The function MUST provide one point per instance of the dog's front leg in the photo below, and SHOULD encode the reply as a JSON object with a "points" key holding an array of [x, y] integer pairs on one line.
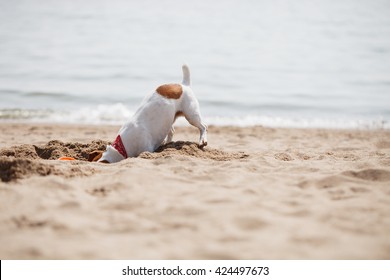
{"points": [[170, 135]]}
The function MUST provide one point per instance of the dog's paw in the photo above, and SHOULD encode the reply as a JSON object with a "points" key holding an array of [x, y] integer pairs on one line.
{"points": [[202, 143]]}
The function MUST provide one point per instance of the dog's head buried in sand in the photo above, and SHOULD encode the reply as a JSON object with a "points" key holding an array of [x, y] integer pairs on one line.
{"points": [[152, 124]]}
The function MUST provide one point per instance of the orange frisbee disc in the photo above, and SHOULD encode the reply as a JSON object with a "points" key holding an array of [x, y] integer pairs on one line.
{"points": [[66, 158]]}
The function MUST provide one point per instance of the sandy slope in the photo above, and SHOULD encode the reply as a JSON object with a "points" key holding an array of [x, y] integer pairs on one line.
{"points": [[252, 193]]}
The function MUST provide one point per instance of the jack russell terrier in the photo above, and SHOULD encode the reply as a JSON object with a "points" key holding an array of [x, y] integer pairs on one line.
{"points": [[152, 124]]}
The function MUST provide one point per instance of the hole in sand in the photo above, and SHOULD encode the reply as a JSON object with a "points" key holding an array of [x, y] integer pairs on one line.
{"points": [[18, 162]]}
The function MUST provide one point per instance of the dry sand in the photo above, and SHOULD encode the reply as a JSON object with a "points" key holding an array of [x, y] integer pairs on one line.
{"points": [[253, 193]]}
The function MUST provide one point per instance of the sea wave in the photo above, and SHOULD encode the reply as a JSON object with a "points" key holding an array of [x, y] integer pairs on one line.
{"points": [[117, 114]]}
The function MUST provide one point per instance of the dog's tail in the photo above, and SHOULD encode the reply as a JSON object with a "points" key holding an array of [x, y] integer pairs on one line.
{"points": [[186, 75]]}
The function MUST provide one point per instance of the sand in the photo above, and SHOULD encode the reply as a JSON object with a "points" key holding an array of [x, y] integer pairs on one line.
{"points": [[252, 193]]}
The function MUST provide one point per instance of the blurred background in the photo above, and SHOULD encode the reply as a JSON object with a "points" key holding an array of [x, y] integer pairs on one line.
{"points": [[303, 63]]}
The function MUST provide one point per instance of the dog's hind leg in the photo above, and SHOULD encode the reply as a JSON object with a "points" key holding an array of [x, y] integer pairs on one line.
{"points": [[195, 120]]}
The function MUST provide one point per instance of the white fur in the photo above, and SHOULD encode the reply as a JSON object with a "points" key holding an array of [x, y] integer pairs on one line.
{"points": [[153, 122]]}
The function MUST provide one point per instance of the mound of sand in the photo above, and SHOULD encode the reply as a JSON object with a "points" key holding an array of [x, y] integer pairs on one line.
{"points": [[12, 169], [186, 148], [54, 149], [17, 168], [22, 161]]}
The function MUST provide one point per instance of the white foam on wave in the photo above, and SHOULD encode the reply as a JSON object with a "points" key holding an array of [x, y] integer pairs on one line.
{"points": [[300, 122], [100, 114], [117, 114]]}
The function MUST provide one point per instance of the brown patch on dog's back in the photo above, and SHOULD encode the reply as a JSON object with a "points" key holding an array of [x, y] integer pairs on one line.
{"points": [[170, 91]]}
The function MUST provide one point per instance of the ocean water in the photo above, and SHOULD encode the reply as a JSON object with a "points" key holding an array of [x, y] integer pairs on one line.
{"points": [[302, 63]]}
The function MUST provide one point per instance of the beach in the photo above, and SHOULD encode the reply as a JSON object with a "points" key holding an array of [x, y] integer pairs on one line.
{"points": [[252, 193]]}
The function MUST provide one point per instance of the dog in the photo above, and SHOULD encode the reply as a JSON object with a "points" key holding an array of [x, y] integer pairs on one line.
{"points": [[152, 124]]}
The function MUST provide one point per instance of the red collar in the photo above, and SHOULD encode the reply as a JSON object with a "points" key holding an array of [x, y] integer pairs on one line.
{"points": [[118, 145]]}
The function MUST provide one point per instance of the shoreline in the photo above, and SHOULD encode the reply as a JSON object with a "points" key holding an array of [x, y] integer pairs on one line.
{"points": [[252, 193], [83, 116]]}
